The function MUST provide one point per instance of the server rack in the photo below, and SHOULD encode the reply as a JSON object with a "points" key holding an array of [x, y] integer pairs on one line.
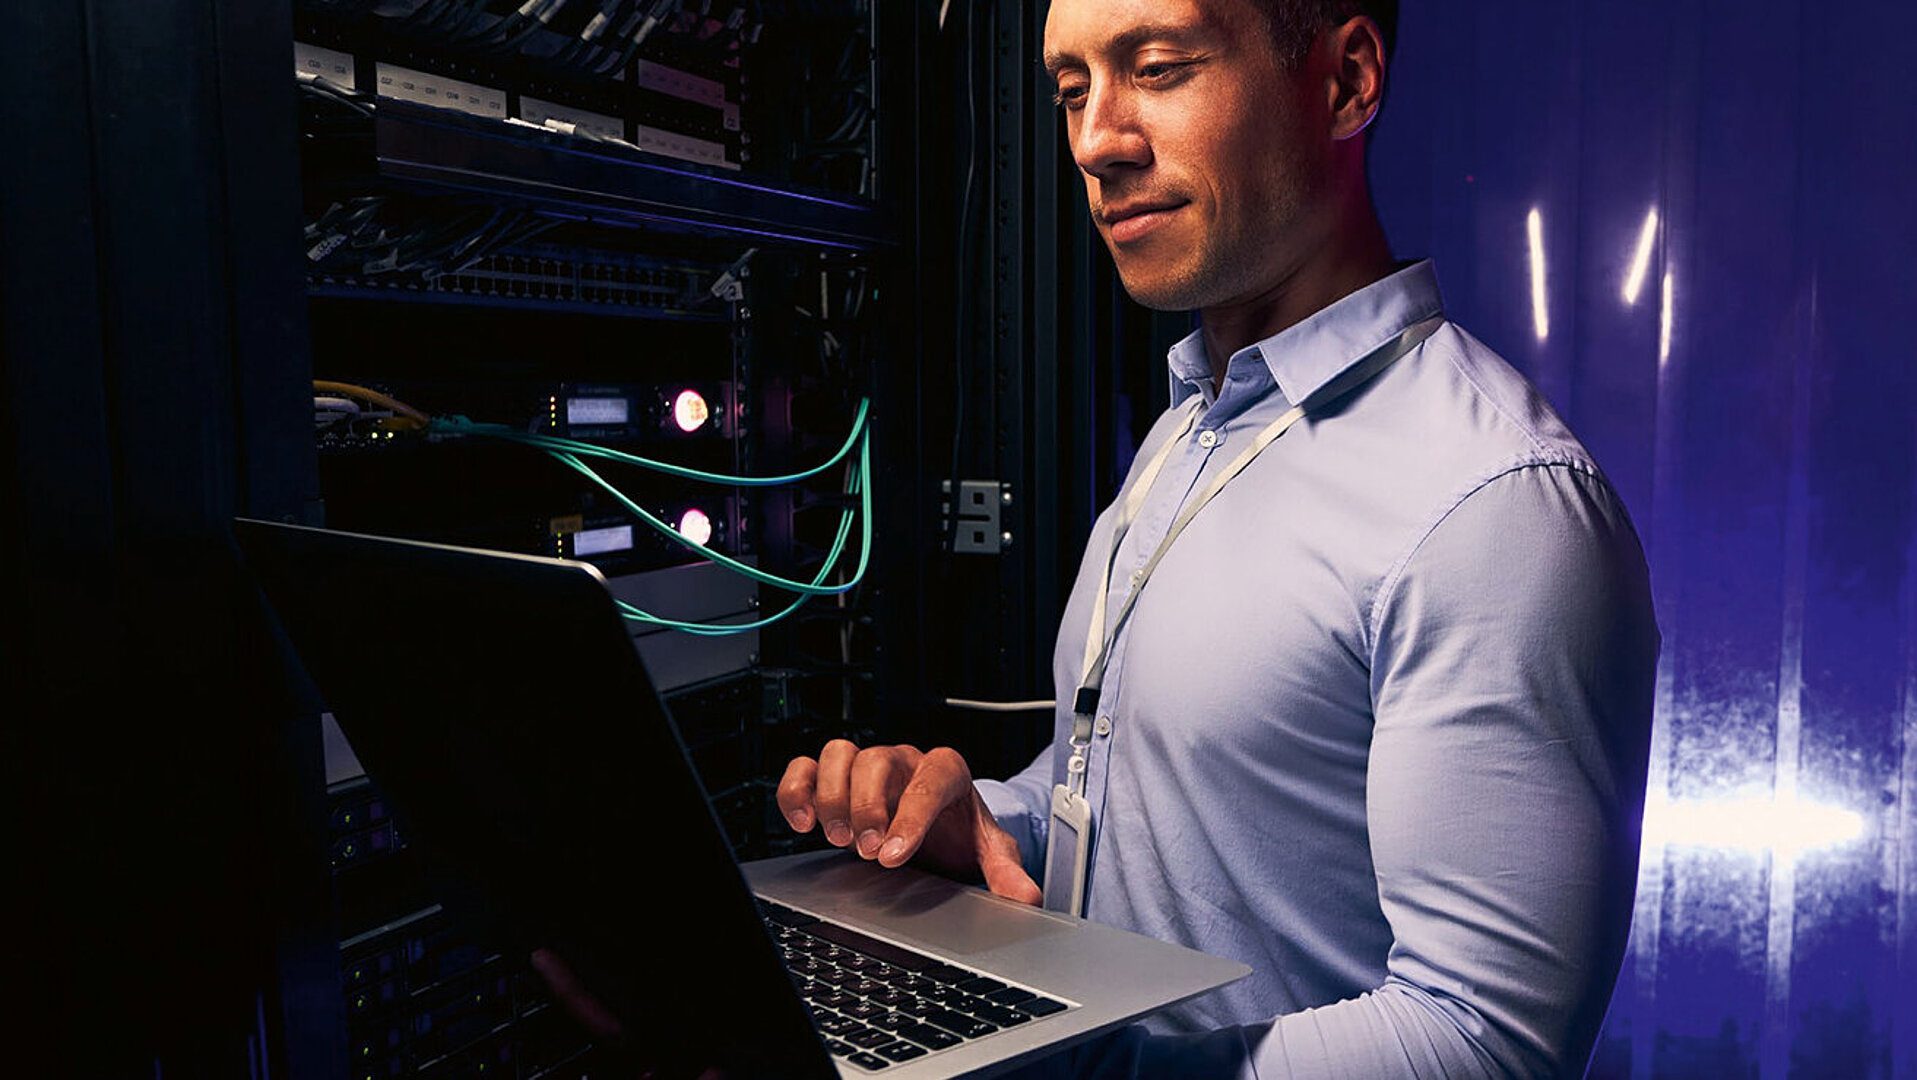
{"points": [[645, 229], [194, 869]]}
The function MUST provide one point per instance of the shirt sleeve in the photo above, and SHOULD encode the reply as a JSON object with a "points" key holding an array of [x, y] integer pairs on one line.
{"points": [[1023, 807], [1513, 663]]}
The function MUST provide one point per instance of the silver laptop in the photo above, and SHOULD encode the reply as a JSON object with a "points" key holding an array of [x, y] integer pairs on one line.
{"points": [[499, 702]]}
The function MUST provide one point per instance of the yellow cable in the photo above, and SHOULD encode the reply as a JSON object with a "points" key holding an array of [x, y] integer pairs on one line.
{"points": [[326, 386]]}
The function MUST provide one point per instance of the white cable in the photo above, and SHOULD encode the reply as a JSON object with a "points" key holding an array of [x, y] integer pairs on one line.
{"points": [[1000, 706]]}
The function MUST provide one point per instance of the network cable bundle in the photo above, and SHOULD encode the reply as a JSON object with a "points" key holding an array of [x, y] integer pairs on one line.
{"points": [[596, 279]]}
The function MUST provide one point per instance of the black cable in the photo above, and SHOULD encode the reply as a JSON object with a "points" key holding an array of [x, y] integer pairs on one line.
{"points": [[623, 17], [619, 58], [964, 248], [325, 92], [473, 26], [425, 14]]}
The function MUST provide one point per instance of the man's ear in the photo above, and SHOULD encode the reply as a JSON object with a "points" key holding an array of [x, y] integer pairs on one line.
{"points": [[1356, 78]]}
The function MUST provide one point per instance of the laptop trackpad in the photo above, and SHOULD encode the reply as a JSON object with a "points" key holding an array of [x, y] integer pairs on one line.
{"points": [[958, 919]]}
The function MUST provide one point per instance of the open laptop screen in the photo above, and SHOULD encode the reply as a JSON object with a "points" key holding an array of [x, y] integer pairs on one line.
{"points": [[499, 702]]}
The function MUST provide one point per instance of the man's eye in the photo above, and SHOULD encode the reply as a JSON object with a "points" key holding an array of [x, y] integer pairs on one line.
{"points": [[1069, 97], [1159, 73]]}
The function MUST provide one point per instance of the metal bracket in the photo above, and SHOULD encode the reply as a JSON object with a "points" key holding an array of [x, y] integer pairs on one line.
{"points": [[973, 521]]}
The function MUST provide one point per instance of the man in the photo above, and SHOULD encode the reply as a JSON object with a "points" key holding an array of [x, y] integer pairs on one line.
{"points": [[1377, 721]]}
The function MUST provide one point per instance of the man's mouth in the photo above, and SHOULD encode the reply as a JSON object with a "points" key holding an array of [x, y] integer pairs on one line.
{"points": [[1129, 222]]}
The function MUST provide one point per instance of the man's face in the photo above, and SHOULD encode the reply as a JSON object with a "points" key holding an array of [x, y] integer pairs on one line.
{"points": [[1203, 157]]}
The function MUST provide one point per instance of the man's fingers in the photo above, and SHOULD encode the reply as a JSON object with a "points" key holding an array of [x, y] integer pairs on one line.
{"points": [[796, 793], [878, 775], [941, 780], [998, 860], [832, 791]]}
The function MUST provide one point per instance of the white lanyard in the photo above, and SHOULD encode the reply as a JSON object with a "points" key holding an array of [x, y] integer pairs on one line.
{"points": [[1098, 639]]}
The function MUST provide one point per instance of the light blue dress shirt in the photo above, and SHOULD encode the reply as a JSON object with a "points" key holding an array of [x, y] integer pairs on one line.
{"points": [[1378, 725]]}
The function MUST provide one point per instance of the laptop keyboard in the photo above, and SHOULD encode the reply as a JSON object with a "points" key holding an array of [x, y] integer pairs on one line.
{"points": [[878, 1004]]}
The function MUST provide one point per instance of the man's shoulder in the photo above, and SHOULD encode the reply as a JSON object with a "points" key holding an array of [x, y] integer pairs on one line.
{"points": [[1484, 408], [1450, 421]]}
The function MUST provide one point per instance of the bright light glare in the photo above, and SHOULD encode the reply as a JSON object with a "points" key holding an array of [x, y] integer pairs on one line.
{"points": [[689, 410], [1754, 823], [1539, 315], [1641, 261], [695, 526], [1664, 324]]}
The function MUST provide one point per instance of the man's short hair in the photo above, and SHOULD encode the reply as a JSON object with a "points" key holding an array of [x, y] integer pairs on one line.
{"points": [[1295, 23]]}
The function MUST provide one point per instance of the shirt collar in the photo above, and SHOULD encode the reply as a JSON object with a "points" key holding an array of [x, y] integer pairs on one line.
{"points": [[1311, 353]]}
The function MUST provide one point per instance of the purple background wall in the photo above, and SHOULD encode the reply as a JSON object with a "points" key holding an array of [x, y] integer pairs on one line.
{"points": [[1753, 401]]}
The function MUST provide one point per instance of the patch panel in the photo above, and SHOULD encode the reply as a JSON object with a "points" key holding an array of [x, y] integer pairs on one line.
{"points": [[558, 278], [439, 91], [659, 107]]}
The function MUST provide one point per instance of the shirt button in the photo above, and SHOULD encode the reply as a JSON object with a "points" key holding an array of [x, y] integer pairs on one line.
{"points": [[1104, 725], [1208, 438]]}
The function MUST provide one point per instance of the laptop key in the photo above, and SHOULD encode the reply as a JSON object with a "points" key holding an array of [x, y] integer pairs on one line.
{"points": [[834, 1024], [928, 1036], [840, 1047], [901, 1051], [947, 974], [960, 1024], [783, 915], [868, 1061], [864, 1010], [1040, 1006], [869, 1037], [1011, 995], [892, 1021], [873, 947], [836, 999], [998, 1014], [981, 985]]}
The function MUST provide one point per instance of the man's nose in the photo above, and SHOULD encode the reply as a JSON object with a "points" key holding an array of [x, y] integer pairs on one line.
{"points": [[1109, 137]]}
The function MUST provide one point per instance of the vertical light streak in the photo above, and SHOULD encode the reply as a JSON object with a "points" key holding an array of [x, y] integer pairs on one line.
{"points": [[1540, 315], [1641, 260], [1664, 325]]}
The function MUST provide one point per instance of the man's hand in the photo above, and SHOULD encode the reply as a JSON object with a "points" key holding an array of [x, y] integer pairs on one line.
{"points": [[895, 803]]}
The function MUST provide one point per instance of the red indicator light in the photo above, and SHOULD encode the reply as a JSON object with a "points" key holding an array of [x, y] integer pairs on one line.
{"points": [[695, 526], [689, 411]]}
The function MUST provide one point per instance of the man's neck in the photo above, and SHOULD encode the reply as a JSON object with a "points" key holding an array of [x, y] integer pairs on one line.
{"points": [[1357, 258]]}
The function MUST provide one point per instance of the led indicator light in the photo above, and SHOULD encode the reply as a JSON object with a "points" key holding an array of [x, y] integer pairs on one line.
{"points": [[695, 526], [689, 411]]}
